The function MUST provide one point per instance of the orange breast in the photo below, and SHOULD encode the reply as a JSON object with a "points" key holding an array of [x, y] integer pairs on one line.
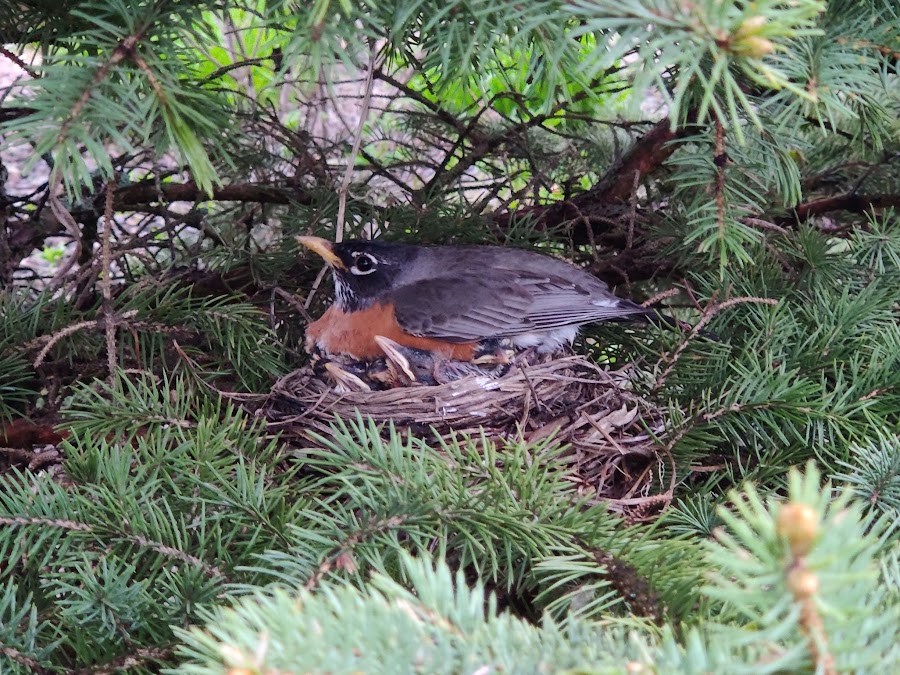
{"points": [[339, 332]]}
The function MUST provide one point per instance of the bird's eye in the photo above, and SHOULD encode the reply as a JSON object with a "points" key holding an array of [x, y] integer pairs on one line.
{"points": [[364, 264]]}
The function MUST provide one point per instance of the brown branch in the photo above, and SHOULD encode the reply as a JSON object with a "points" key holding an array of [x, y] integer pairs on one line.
{"points": [[25, 521], [147, 192], [644, 157], [341, 557], [648, 153], [629, 265], [853, 203], [144, 197]]}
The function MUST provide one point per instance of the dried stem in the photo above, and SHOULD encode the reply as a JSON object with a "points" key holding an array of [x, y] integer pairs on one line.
{"points": [[354, 151], [15, 58], [74, 328], [106, 278], [63, 216], [720, 159], [708, 314]]}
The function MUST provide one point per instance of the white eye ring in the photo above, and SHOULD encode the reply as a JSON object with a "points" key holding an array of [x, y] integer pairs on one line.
{"points": [[370, 263]]}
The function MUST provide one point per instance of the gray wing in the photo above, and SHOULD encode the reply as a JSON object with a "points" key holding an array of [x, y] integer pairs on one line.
{"points": [[501, 303]]}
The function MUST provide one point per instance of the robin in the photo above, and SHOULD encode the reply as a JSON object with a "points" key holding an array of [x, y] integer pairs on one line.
{"points": [[454, 300]]}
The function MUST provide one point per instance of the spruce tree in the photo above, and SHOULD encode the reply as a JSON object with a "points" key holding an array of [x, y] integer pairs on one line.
{"points": [[733, 163]]}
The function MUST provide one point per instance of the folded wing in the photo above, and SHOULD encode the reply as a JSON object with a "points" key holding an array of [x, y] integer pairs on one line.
{"points": [[498, 303]]}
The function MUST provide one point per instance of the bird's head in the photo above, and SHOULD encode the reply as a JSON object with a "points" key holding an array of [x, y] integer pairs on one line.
{"points": [[363, 270]]}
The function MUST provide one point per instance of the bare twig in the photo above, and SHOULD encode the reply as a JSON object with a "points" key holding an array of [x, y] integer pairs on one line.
{"points": [[294, 302], [177, 554], [632, 210], [344, 189], [15, 58], [74, 328], [354, 151], [63, 216], [721, 160], [54, 339], [708, 314], [662, 295], [315, 287], [106, 278], [130, 661]]}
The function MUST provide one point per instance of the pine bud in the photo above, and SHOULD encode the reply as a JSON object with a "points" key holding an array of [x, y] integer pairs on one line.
{"points": [[751, 25], [799, 524], [756, 47], [802, 583], [747, 39]]}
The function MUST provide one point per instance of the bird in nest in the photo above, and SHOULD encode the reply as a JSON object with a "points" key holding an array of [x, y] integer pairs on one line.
{"points": [[405, 314]]}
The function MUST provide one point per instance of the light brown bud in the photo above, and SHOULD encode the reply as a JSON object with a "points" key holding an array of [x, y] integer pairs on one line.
{"points": [[755, 46], [799, 524], [748, 39], [802, 583], [751, 25]]}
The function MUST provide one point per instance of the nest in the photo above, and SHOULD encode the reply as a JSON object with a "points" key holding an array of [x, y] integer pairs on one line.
{"points": [[611, 431]]}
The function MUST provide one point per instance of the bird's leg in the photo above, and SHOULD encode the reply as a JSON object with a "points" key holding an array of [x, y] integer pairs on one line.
{"points": [[493, 352]]}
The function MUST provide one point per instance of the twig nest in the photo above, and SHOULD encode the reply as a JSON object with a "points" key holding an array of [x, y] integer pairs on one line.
{"points": [[591, 408]]}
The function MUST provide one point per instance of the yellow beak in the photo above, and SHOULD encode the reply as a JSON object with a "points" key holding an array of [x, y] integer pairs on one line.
{"points": [[324, 248]]}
